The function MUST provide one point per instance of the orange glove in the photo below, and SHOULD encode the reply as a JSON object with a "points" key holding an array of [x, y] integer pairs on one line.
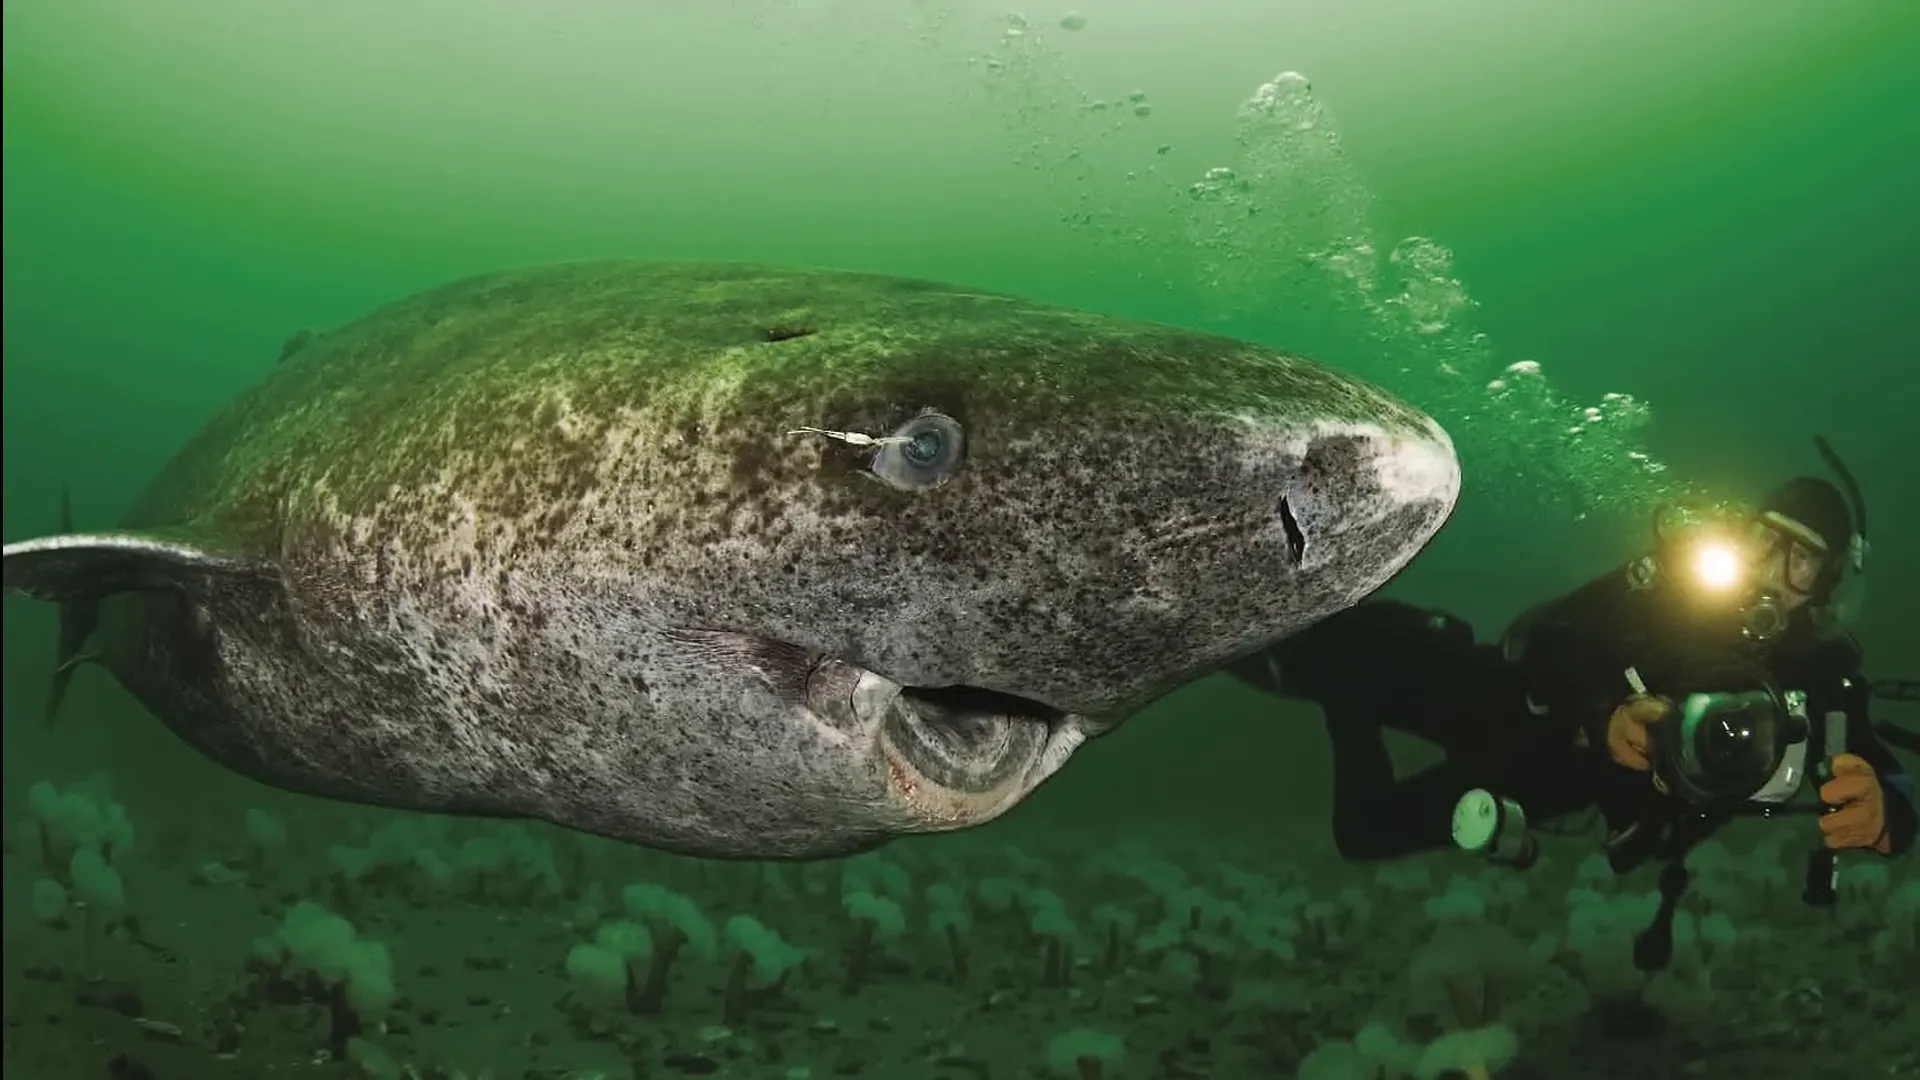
{"points": [[1628, 740], [1858, 820]]}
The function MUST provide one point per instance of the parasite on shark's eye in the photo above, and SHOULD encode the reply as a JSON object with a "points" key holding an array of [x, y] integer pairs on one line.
{"points": [[923, 453]]}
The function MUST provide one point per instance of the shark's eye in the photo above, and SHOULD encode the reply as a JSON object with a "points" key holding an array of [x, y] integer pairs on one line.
{"points": [[924, 448], [923, 453]]}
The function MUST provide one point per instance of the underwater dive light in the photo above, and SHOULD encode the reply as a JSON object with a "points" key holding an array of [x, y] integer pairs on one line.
{"points": [[1496, 827], [1720, 568], [1717, 565]]}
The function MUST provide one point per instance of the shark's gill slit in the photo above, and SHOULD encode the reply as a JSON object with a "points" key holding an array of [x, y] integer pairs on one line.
{"points": [[1296, 540]]}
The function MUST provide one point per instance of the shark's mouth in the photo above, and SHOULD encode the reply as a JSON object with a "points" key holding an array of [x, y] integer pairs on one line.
{"points": [[975, 701], [969, 738], [960, 754]]}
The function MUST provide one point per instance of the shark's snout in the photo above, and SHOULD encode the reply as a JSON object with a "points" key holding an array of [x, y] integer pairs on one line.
{"points": [[1368, 495], [1418, 466], [1311, 519]]}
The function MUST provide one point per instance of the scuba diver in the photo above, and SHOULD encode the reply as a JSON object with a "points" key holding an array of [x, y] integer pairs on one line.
{"points": [[1703, 680]]}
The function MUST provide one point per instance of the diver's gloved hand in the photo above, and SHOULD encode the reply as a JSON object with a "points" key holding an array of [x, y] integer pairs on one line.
{"points": [[1628, 740], [1858, 820]]}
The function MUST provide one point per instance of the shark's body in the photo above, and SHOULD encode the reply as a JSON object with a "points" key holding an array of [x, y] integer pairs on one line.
{"points": [[546, 544]]}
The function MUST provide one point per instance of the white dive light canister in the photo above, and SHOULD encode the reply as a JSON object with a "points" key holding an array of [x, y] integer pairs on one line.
{"points": [[1494, 826]]}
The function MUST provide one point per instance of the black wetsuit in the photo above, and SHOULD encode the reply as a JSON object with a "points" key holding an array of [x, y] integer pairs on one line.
{"points": [[1525, 718]]}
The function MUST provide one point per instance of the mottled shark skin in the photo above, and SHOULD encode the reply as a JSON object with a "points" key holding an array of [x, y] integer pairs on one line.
{"points": [[546, 544]]}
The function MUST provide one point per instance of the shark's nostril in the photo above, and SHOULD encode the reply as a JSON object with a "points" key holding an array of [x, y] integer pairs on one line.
{"points": [[1296, 539]]}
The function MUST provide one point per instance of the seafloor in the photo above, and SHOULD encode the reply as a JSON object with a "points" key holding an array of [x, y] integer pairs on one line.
{"points": [[252, 947]]}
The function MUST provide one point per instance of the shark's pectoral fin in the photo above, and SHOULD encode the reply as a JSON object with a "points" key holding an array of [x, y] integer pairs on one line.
{"points": [[87, 566], [75, 570]]}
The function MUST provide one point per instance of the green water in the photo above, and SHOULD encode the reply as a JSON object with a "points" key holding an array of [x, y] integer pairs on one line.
{"points": [[1696, 219]]}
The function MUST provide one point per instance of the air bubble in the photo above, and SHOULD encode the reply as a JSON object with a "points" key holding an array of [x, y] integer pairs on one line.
{"points": [[1287, 225]]}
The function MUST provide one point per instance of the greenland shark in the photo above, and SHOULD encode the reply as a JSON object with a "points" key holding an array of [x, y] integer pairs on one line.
{"points": [[731, 560]]}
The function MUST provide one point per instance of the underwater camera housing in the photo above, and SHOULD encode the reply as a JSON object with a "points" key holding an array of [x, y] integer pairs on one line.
{"points": [[1735, 746], [1727, 747]]}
